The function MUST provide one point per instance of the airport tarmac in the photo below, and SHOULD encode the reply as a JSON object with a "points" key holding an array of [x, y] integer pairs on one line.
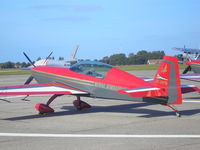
{"points": [[108, 125]]}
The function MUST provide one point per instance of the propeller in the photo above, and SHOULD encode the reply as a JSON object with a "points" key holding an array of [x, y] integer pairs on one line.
{"points": [[31, 77], [48, 57], [32, 63], [28, 59], [188, 68]]}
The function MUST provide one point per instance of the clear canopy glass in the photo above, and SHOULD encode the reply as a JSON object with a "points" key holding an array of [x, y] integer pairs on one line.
{"points": [[91, 68]]}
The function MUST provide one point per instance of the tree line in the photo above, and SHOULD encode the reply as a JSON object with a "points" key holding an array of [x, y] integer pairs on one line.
{"points": [[141, 57], [10, 64]]}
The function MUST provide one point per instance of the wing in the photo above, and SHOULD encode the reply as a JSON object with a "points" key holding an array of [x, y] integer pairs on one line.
{"points": [[192, 76], [39, 89], [188, 50]]}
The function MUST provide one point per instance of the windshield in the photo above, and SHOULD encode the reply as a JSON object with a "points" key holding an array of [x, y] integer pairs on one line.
{"points": [[91, 68]]}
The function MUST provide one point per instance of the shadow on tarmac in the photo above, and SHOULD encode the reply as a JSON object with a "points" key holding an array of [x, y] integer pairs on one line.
{"points": [[198, 98], [127, 108], [4, 100]]}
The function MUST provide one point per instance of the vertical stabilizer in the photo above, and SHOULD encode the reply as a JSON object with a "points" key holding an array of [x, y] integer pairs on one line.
{"points": [[168, 78]]}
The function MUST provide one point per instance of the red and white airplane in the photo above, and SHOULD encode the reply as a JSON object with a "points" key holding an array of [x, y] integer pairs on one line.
{"points": [[100, 80], [193, 65]]}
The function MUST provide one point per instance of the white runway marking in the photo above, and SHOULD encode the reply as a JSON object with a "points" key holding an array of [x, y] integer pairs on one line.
{"points": [[97, 135], [185, 101]]}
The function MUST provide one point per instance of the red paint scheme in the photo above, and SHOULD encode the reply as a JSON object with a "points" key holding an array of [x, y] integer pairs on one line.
{"points": [[117, 77], [162, 71], [193, 61], [81, 104], [161, 81], [42, 108], [120, 78], [114, 77], [152, 93]]}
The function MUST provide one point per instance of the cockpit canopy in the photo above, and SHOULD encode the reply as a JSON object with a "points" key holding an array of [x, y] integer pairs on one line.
{"points": [[91, 68]]}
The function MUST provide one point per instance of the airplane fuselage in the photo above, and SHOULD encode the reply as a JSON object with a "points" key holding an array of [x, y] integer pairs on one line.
{"points": [[106, 87]]}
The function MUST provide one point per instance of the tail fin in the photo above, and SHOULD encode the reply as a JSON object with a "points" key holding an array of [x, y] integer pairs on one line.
{"points": [[168, 78]]}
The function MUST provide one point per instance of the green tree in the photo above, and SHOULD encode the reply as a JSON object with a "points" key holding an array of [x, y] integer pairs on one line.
{"points": [[156, 54], [118, 59], [18, 65], [105, 59], [61, 58], [131, 59], [8, 64], [142, 57]]}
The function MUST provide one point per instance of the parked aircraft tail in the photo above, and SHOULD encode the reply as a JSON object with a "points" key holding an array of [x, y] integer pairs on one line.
{"points": [[167, 79], [164, 88]]}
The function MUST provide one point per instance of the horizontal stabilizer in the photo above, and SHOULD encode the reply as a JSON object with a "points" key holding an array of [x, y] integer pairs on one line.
{"points": [[144, 92]]}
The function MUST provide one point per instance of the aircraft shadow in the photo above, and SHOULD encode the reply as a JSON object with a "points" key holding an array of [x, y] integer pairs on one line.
{"points": [[198, 98], [4, 100], [127, 108]]}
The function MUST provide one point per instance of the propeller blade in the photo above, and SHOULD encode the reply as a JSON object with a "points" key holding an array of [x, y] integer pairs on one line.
{"points": [[28, 59], [48, 57], [188, 68], [29, 80]]}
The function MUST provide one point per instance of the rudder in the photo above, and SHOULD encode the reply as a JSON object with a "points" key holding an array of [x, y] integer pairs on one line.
{"points": [[168, 78]]}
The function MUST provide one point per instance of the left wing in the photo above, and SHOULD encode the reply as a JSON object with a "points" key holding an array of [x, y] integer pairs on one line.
{"points": [[38, 89]]}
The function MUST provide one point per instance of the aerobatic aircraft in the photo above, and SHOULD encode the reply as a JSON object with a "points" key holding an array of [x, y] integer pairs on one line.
{"points": [[193, 65], [63, 63], [100, 80], [193, 62]]}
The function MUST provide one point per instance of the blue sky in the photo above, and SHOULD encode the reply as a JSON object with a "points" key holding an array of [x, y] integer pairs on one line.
{"points": [[100, 27]]}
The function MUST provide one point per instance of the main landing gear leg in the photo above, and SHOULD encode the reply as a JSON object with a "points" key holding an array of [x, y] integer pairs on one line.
{"points": [[24, 99], [80, 104], [174, 109], [44, 108]]}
